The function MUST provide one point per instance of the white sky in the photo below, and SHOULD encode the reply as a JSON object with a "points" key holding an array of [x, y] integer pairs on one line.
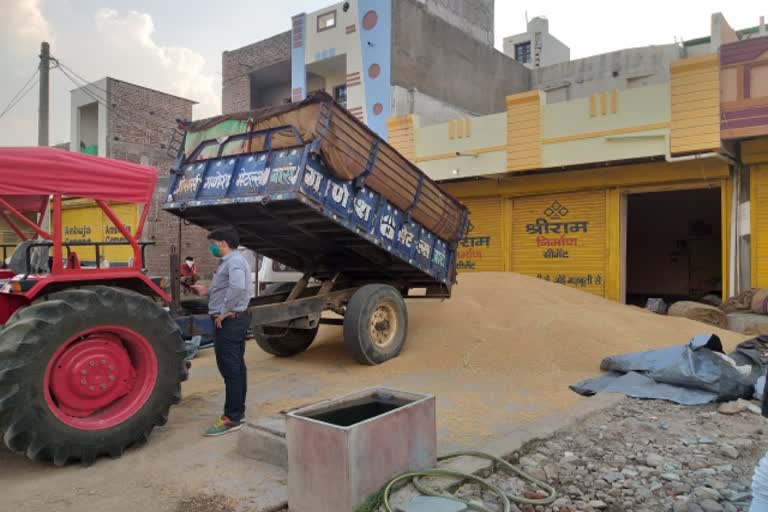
{"points": [[176, 45]]}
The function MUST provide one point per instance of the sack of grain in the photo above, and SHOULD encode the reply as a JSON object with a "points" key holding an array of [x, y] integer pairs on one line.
{"points": [[760, 301], [740, 302], [697, 311]]}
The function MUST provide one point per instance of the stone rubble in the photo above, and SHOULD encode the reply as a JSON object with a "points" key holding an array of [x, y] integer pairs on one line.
{"points": [[643, 456]]}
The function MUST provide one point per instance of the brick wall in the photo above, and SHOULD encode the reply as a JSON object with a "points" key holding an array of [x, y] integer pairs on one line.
{"points": [[237, 65], [141, 122]]}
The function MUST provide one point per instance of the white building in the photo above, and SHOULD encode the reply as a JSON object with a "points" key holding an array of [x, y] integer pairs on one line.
{"points": [[537, 48]]}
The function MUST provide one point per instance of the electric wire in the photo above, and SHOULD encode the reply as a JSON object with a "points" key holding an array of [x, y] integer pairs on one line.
{"points": [[28, 86]]}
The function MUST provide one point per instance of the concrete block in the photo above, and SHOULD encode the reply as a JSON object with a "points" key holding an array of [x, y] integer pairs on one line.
{"points": [[264, 439], [748, 323]]}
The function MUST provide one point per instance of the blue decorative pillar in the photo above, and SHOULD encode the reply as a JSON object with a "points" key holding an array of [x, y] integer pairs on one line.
{"points": [[376, 48]]}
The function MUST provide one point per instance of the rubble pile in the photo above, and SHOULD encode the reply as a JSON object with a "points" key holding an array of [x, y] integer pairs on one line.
{"points": [[645, 456]]}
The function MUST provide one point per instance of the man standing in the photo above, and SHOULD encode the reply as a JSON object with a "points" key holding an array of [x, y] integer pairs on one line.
{"points": [[228, 306]]}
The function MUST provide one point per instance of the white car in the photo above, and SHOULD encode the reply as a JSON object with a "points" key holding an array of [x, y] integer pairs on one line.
{"points": [[271, 272]]}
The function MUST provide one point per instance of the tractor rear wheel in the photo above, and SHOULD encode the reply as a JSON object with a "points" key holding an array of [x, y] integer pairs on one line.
{"points": [[87, 372]]}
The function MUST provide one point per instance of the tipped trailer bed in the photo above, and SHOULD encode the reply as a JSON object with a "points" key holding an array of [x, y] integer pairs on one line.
{"points": [[310, 186]]}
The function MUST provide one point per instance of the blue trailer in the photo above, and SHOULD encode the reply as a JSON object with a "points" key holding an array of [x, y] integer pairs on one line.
{"points": [[310, 186]]}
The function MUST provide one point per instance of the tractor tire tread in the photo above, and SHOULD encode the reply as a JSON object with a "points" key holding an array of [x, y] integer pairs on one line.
{"points": [[32, 335]]}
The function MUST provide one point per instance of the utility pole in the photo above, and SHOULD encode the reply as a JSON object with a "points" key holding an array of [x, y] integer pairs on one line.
{"points": [[42, 120]]}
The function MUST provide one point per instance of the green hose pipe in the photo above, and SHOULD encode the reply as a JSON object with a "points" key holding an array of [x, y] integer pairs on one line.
{"points": [[551, 493], [506, 499], [451, 474]]}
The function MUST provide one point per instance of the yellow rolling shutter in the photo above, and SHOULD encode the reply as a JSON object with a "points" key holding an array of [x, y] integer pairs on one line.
{"points": [[758, 202], [562, 238], [482, 250]]}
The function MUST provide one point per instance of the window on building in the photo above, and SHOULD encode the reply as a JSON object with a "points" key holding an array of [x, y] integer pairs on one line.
{"points": [[340, 95], [523, 52], [326, 21]]}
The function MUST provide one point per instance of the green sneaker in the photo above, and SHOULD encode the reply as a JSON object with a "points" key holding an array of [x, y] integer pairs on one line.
{"points": [[223, 426]]}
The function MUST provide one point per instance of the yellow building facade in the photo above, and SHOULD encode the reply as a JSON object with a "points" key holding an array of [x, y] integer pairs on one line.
{"points": [[627, 194]]}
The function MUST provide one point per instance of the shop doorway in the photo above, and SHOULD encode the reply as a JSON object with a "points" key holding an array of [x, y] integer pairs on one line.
{"points": [[673, 245]]}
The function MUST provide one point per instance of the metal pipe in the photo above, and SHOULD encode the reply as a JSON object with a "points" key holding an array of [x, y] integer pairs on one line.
{"points": [[142, 220], [13, 226], [698, 156], [175, 280], [16, 213], [732, 259], [57, 235]]}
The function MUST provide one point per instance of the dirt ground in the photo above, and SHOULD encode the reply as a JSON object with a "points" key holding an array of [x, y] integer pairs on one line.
{"points": [[499, 356], [177, 470]]}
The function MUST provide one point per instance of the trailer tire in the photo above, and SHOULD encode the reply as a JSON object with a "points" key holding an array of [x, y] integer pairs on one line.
{"points": [[375, 324], [283, 341], [125, 348]]}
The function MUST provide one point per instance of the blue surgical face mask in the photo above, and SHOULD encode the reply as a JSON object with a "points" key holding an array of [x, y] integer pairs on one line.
{"points": [[215, 250]]}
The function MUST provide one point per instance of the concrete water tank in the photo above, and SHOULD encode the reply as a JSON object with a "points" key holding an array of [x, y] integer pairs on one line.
{"points": [[342, 451]]}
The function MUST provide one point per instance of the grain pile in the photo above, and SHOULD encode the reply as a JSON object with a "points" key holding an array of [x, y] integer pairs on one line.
{"points": [[526, 323], [502, 351]]}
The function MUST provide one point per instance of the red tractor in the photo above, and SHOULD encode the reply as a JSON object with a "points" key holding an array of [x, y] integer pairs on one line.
{"points": [[90, 359]]}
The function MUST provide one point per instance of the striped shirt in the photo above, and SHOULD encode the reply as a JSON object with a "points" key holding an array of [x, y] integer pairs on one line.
{"points": [[229, 287]]}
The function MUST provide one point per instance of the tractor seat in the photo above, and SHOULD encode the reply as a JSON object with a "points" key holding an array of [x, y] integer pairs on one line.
{"points": [[38, 259]]}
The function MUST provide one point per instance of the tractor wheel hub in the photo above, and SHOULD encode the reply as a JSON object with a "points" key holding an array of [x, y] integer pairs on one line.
{"points": [[91, 374]]}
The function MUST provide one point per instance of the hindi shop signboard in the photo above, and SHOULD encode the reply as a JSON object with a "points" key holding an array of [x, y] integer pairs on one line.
{"points": [[562, 238], [471, 251], [481, 250]]}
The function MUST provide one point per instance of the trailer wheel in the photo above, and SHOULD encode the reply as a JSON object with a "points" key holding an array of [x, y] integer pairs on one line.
{"points": [[87, 372], [283, 341], [375, 324]]}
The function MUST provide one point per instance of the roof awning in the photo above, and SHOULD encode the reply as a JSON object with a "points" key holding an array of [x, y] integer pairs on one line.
{"points": [[27, 175]]}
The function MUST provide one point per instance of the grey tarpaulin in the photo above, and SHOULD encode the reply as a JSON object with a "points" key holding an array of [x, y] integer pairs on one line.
{"points": [[689, 374], [750, 352], [637, 385]]}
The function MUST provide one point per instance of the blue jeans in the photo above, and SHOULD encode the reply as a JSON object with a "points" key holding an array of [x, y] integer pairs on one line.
{"points": [[229, 345]]}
